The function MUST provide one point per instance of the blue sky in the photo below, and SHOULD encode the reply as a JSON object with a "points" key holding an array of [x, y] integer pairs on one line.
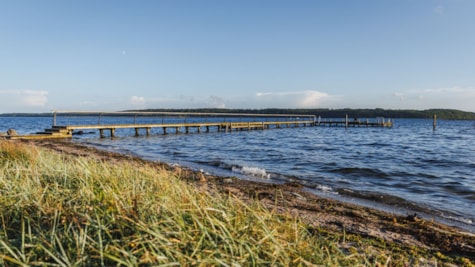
{"points": [[115, 55]]}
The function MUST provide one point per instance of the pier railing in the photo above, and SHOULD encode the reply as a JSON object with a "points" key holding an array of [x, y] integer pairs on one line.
{"points": [[163, 117], [179, 121], [67, 123]]}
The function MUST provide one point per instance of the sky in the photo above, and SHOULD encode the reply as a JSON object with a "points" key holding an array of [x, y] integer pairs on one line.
{"points": [[111, 55]]}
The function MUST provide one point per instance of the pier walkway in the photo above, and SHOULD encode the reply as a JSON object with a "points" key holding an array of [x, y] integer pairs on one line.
{"points": [[176, 122], [380, 122], [68, 123]]}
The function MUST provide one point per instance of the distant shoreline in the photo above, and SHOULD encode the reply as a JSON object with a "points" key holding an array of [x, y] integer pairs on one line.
{"points": [[443, 114]]}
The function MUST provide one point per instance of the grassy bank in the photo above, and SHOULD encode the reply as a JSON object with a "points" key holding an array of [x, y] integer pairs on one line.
{"points": [[63, 210]]}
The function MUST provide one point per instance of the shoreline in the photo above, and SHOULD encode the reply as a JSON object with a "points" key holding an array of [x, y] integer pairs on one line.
{"points": [[379, 201], [391, 204], [405, 209], [318, 212], [382, 202]]}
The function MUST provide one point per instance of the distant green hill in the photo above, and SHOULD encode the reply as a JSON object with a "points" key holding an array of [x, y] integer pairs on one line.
{"points": [[448, 114]]}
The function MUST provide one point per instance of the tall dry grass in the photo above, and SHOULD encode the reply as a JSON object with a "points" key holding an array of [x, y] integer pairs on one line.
{"points": [[61, 210]]}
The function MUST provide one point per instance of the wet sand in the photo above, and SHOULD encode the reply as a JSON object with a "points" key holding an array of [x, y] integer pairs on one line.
{"points": [[320, 213]]}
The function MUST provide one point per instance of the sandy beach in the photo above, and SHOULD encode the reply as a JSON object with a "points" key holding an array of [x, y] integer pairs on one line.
{"points": [[321, 214]]}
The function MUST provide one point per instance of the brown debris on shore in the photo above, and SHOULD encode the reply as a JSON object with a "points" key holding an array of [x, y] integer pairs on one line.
{"points": [[321, 214]]}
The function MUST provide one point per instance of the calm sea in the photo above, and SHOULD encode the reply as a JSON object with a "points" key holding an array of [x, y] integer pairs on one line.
{"points": [[405, 169]]}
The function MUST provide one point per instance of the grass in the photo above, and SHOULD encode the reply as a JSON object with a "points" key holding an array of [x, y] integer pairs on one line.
{"points": [[59, 210]]}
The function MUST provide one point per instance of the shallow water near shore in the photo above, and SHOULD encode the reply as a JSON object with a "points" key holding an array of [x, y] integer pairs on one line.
{"points": [[409, 167]]}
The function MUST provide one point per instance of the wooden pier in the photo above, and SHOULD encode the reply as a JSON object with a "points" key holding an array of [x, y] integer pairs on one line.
{"points": [[67, 131], [355, 123], [176, 122], [107, 123]]}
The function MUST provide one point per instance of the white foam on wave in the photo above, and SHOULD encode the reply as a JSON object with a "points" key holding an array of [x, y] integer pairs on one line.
{"points": [[252, 171], [461, 219], [326, 189]]}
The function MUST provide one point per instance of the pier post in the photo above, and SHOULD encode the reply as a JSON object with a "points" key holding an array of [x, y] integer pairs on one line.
{"points": [[435, 122], [101, 133], [346, 121], [54, 118], [148, 131], [136, 131], [112, 132]]}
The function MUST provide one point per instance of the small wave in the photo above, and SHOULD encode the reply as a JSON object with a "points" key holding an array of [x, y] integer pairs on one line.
{"points": [[326, 189], [251, 171], [451, 217]]}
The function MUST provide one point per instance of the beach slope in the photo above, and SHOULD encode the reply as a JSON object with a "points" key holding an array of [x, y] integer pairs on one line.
{"points": [[378, 238]]}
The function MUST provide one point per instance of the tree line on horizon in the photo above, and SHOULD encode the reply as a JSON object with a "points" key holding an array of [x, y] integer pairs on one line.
{"points": [[447, 114]]}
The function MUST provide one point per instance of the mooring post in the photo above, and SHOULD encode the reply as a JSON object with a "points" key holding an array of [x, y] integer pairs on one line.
{"points": [[54, 118], [435, 122], [346, 121]]}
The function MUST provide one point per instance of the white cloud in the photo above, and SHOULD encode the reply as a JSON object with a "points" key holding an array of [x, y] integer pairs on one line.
{"points": [[401, 96], [137, 100], [178, 101], [299, 99], [216, 102], [461, 98], [34, 98], [22, 100]]}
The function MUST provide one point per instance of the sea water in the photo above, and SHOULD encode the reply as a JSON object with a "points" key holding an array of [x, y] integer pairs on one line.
{"points": [[409, 168]]}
